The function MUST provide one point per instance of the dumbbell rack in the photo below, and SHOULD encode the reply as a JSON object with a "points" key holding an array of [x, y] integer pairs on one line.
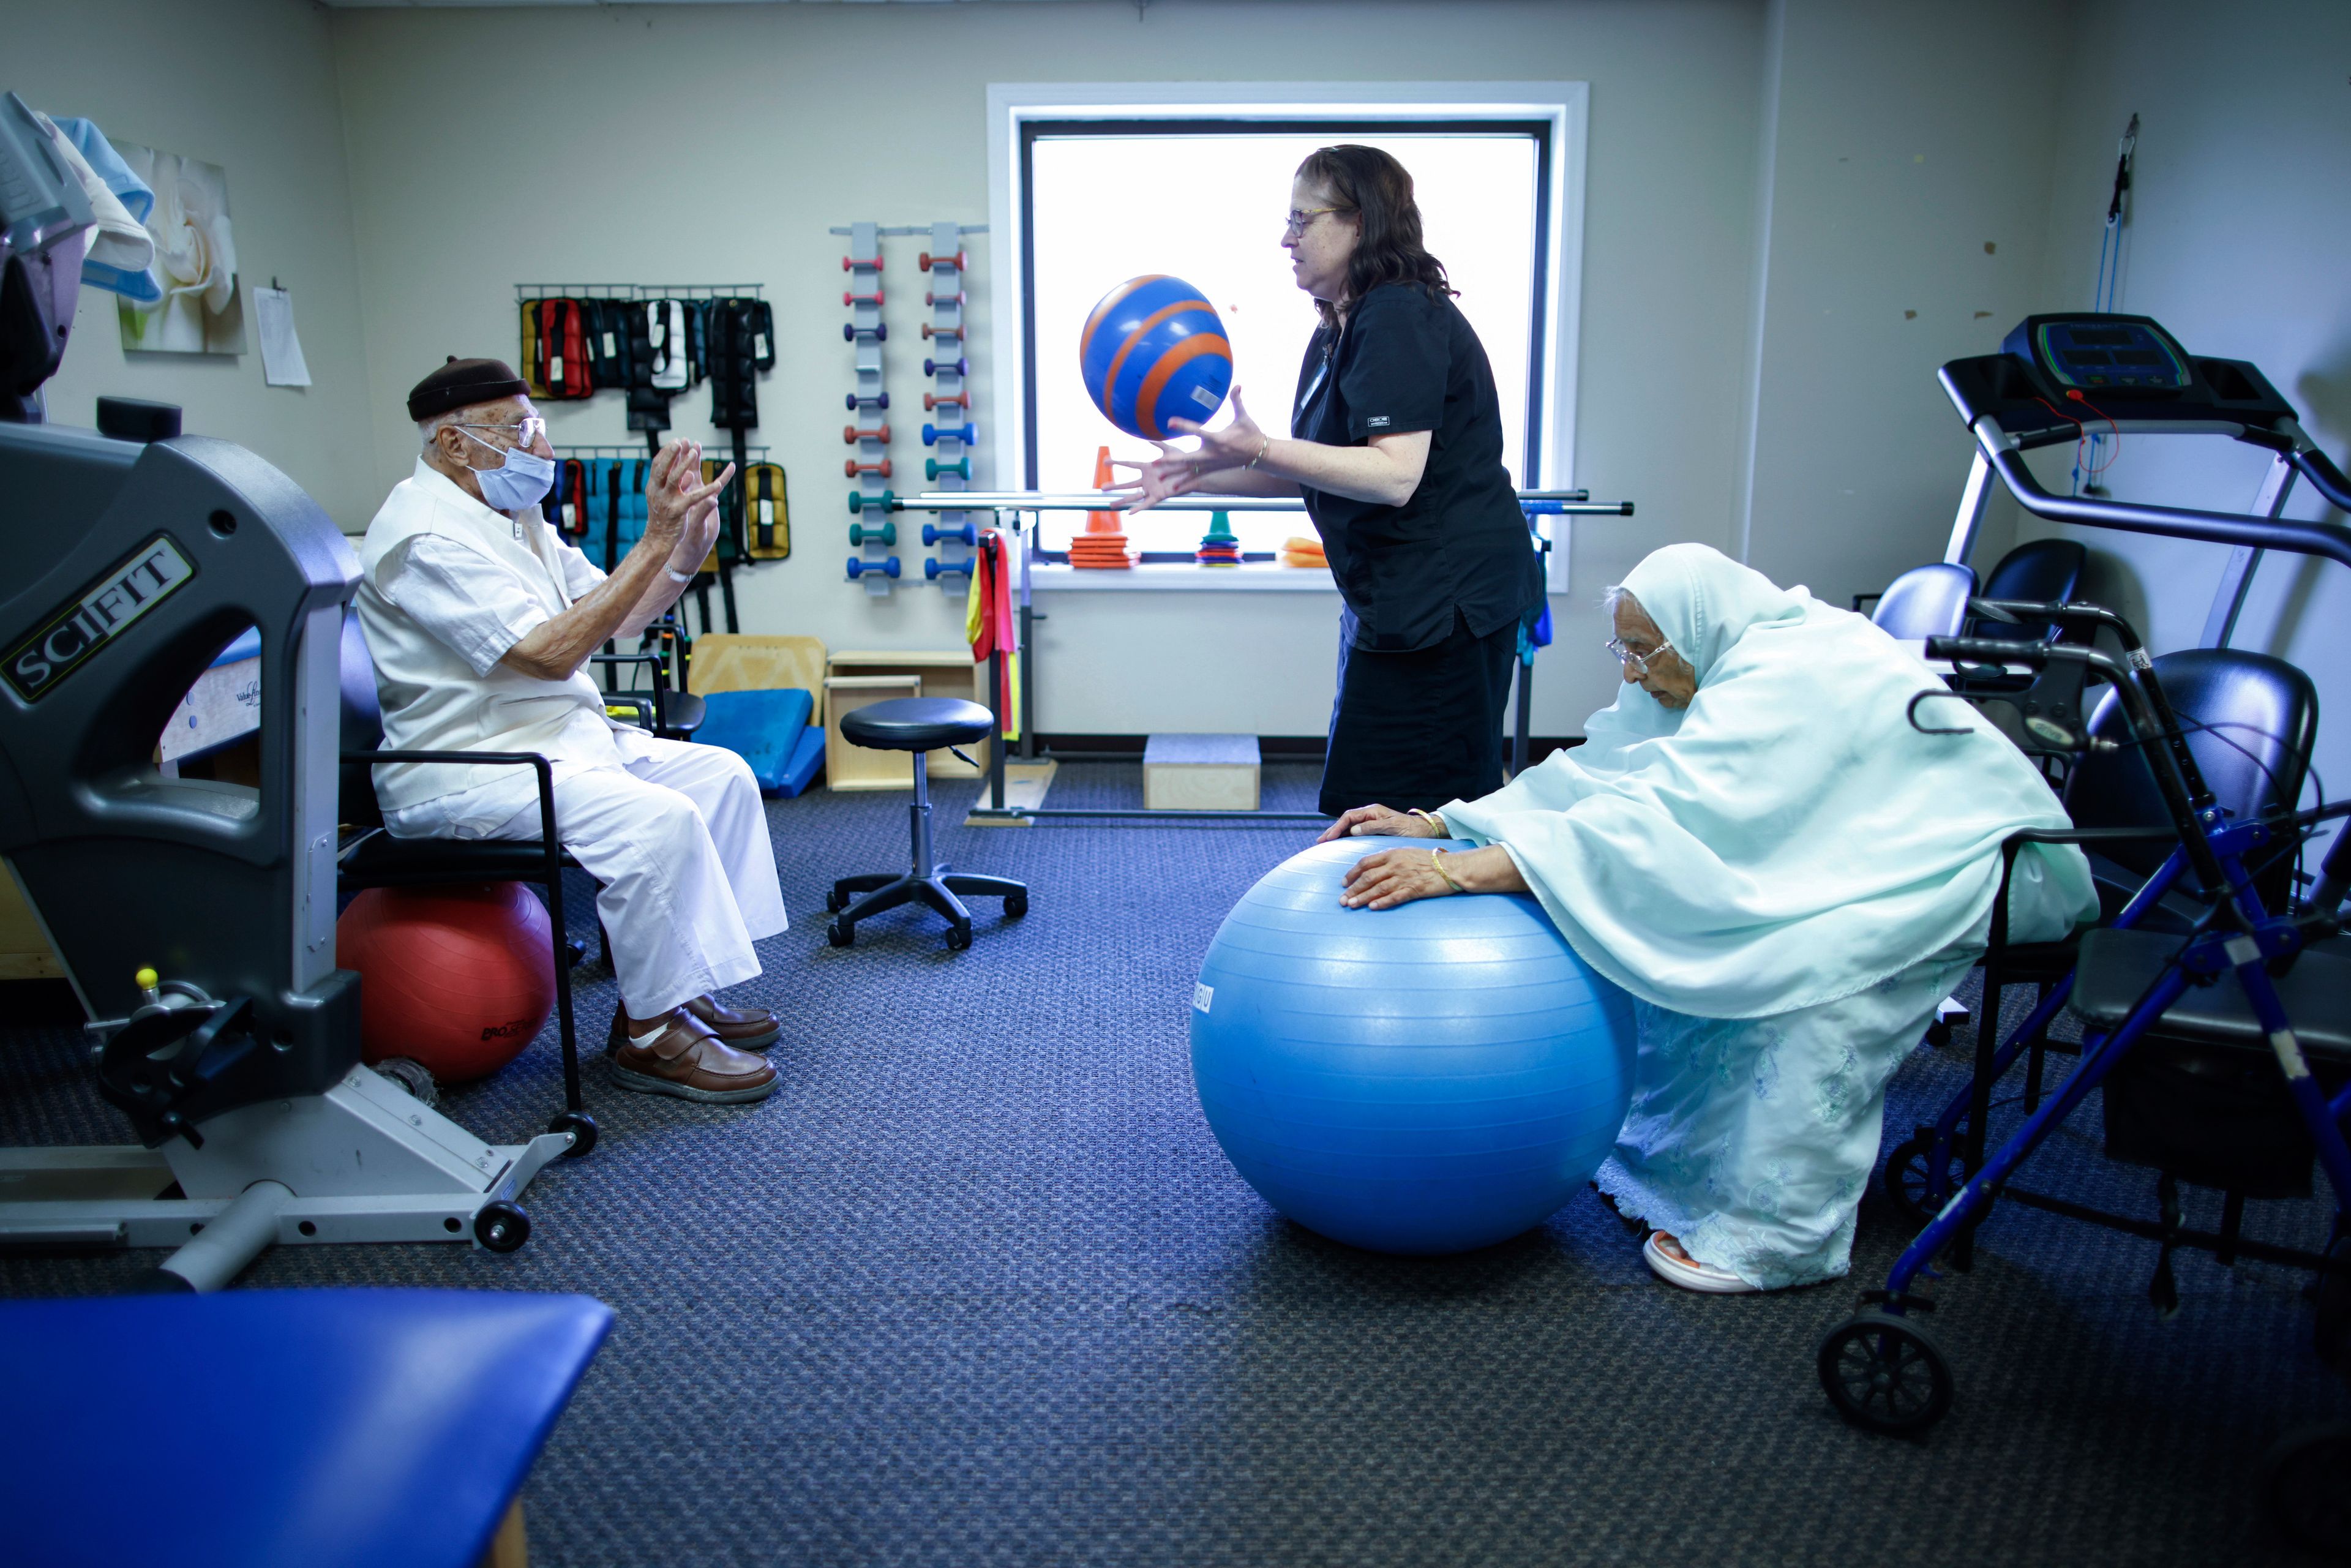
{"points": [[949, 465]]}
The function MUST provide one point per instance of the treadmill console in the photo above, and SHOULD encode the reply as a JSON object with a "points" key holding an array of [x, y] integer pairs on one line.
{"points": [[2104, 355]]}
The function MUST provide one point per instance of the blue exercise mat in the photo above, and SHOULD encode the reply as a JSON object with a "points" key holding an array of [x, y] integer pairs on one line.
{"points": [[768, 729], [279, 1428]]}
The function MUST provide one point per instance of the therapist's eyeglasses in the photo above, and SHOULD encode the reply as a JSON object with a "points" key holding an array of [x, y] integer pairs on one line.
{"points": [[525, 432], [1635, 659], [1299, 219]]}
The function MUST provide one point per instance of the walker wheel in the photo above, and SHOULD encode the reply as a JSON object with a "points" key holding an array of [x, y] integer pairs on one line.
{"points": [[582, 1128], [1884, 1374], [2301, 1488], [1904, 1179], [501, 1226], [959, 935], [839, 934], [1016, 905]]}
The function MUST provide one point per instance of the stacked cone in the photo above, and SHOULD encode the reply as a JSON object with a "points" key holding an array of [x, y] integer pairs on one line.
{"points": [[1219, 546], [1300, 551], [1103, 544]]}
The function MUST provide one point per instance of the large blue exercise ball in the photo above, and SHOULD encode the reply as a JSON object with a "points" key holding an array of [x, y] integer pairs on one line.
{"points": [[1427, 1079], [1155, 349]]}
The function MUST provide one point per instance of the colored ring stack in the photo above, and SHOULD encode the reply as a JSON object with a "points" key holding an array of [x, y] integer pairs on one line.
{"points": [[1219, 546]]}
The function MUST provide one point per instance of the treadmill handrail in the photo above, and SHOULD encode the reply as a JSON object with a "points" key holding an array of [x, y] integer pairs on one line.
{"points": [[2173, 522]]}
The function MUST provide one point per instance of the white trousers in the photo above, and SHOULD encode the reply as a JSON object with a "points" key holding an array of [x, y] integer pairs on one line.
{"points": [[678, 839]]}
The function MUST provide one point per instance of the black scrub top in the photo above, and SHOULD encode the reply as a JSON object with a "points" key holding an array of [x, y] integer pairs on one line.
{"points": [[1408, 361]]}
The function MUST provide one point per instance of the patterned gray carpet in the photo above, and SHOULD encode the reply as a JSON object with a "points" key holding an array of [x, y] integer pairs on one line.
{"points": [[977, 1287]]}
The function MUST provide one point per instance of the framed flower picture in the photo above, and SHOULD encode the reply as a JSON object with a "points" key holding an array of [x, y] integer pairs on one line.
{"points": [[200, 310]]}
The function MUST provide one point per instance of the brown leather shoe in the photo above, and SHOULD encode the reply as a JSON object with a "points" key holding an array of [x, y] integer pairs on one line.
{"points": [[689, 1062], [745, 1028]]}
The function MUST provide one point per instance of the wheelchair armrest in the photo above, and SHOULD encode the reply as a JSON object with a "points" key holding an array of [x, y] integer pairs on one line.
{"points": [[537, 764], [661, 681]]}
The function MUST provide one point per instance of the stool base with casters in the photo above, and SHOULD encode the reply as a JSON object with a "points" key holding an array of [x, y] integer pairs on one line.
{"points": [[918, 724]]}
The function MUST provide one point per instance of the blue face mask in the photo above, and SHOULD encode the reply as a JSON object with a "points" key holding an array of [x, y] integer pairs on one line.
{"points": [[522, 480]]}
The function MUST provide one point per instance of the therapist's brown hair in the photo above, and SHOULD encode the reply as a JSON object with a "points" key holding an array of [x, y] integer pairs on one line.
{"points": [[1377, 188]]}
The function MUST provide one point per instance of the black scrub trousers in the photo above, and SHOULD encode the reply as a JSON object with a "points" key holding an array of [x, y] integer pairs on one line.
{"points": [[1435, 589]]}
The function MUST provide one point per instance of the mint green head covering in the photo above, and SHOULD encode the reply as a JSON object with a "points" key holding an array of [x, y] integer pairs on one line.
{"points": [[1788, 839], [1704, 601]]}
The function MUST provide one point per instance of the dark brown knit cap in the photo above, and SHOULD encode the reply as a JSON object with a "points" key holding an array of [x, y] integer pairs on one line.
{"points": [[461, 383]]}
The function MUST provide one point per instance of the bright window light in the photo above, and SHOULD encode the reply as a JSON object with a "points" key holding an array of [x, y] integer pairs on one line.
{"points": [[1205, 204]]}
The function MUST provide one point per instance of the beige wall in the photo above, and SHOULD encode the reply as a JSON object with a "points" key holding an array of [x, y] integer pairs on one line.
{"points": [[249, 85], [497, 146], [2237, 242], [1909, 138]]}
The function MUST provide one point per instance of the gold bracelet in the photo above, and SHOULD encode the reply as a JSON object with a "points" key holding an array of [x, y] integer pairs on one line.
{"points": [[1263, 448], [1433, 820], [1436, 859]]}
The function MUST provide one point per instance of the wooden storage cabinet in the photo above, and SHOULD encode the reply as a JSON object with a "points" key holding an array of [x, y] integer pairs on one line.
{"points": [[904, 673]]}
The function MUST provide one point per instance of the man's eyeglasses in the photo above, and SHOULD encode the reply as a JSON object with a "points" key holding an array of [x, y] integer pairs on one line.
{"points": [[1300, 218], [526, 432], [1635, 659]]}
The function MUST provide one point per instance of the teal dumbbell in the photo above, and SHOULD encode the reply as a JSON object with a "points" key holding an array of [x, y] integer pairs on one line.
{"points": [[887, 566], [887, 501], [960, 468], [860, 534]]}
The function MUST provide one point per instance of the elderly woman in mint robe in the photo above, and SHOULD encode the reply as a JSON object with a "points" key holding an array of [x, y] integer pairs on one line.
{"points": [[1786, 876]]}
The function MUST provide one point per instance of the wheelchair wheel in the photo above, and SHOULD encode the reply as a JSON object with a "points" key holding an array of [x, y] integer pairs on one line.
{"points": [[1904, 1179], [2301, 1488], [1884, 1374]]}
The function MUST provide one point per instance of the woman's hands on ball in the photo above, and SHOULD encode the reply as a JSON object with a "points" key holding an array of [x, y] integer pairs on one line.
{"points": [[1390, 877], [1235, 444], [1365, 819]]}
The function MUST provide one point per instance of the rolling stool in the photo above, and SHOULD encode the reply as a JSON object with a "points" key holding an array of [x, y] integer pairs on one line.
{"points": [[918, 725]]}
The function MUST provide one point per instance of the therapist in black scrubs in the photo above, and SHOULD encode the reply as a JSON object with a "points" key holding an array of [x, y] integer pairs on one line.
{"points": [[1396, 448]]}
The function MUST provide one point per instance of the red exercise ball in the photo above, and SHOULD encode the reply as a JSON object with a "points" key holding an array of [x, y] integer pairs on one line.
{"points": [[459, 978]]}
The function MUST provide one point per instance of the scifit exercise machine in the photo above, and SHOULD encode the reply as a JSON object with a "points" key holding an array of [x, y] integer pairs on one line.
{"points": [[195, 919]]}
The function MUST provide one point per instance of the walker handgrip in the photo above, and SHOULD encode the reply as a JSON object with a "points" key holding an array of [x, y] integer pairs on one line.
{"points": [[1988, 651]]}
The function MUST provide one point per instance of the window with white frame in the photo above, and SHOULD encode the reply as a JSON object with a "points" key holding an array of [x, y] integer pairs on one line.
{"points": [[1105, 197]]}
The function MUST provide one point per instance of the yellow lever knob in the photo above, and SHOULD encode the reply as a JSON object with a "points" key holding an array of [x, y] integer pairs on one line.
{"points": [[146, 979]]}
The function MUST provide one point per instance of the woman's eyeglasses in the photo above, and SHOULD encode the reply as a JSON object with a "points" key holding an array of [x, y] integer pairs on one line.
{"points": [[1299, 219], [1635, 659]]}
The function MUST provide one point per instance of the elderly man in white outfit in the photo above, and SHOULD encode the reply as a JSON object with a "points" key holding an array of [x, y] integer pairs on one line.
{"points": [[481, 619]]}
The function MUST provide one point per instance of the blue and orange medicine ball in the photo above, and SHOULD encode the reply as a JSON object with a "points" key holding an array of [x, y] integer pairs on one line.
{"points": [[1154, 351]]}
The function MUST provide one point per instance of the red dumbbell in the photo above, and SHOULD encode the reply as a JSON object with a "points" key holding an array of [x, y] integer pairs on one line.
{"points": [[931, 299], [873, 298], [850, 435], [961, 399], [931, 331], [854, 469], [874, 261], [927, 261]]}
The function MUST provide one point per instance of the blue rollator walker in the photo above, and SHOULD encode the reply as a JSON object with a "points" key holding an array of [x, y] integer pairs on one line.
{"points": [[2210, 954]]}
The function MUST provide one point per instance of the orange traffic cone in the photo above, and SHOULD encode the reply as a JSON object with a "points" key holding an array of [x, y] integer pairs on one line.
{"points": [[1103, 544]]}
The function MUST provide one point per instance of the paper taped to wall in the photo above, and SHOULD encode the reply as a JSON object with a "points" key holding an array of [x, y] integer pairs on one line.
{"points": [[282, 364]]}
